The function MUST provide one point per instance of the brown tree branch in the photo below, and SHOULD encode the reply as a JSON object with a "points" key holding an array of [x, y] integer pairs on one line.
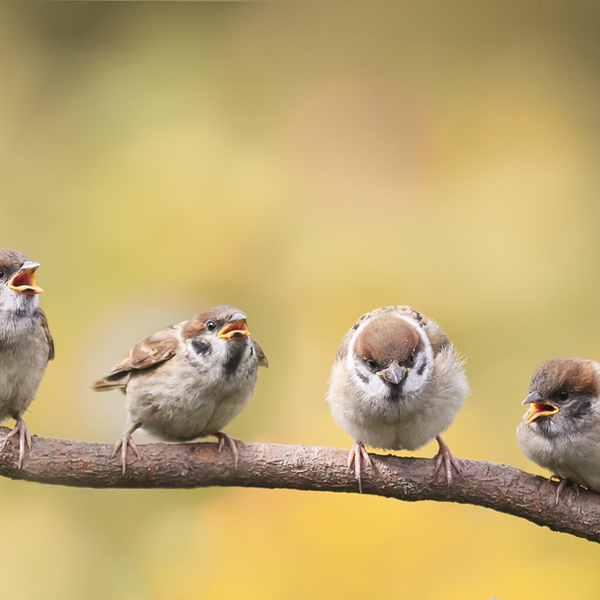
{"points": [[501, 488]]}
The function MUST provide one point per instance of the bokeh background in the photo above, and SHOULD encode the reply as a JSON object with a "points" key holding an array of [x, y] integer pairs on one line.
{"points": [[305, 162]]}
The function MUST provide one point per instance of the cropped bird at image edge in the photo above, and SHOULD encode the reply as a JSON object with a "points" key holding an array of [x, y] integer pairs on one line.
{"points": [[26, 345]]}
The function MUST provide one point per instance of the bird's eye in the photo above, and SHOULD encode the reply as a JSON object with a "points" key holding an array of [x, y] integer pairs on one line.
{"points": [[564, 395], [210, 326], [373, 366], [411, 359], [1, 273]]}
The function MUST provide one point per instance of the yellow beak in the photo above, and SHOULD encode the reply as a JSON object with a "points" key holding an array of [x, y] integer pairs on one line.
{"points": [[23, 281], [538, 410], [235, 330]]}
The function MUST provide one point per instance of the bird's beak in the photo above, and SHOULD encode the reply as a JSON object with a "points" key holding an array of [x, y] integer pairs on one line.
{"points": [[23, 281], [540, 407], [236, 329], [394, 373]]}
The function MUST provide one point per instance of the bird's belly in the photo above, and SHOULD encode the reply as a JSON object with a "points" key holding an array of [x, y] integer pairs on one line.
{"points": [[179, 408], [393, 427], [404, 434], [574, 459], [21, 371]]}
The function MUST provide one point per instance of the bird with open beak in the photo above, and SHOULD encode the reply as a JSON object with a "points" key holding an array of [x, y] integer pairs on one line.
{"points": [[561, 429], [189, 380], [26, 345], [396, 383]]}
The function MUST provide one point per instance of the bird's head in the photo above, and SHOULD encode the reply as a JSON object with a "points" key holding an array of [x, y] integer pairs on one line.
{"points": [[220, 335], [18, 291], [390, 356], [563, 396]]}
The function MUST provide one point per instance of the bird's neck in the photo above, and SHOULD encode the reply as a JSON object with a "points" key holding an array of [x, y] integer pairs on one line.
{"points": [[16, 321]]}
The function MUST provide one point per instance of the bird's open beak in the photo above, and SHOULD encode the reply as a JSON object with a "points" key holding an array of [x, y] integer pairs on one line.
{"points": [[235, 330], [23, 281], [394, 373], [540, 407]]}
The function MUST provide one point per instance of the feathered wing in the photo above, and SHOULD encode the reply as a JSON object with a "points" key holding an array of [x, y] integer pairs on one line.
{"points": [[46, 329], [262, 359], [436, 336], [343, 348], [153, 351], [451, 377]]}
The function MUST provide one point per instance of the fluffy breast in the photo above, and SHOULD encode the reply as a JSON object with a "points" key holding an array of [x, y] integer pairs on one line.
{"points": [[184, 399], [23, 359]]}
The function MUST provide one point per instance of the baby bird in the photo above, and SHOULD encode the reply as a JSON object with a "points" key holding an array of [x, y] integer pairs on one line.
{"points": [[189, 380], [26, 345], [561, 430], [396, 383]]}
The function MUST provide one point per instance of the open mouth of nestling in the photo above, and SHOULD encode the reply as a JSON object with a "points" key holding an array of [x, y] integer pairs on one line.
{"points": [[540, 410], [24, 283], [236, 330]]}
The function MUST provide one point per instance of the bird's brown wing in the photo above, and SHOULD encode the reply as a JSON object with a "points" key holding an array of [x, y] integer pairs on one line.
{"points": [[153, 351], [436, 336], [262, 359], [343, 347], [49, 339]]}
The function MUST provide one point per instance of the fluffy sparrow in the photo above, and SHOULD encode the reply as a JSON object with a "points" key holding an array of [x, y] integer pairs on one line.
{"points": [[189, 380], [396, 383], [561, 430], [26, 345]]}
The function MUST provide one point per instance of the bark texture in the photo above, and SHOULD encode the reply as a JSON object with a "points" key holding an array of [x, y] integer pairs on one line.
{"points": [[499, 487]]}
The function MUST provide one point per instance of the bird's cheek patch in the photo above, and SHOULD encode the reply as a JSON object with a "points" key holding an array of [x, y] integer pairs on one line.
{"points": [[538, 410]]}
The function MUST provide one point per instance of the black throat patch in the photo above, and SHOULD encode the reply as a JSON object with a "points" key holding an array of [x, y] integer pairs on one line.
{"points": [[235, 353], [395, 391]]}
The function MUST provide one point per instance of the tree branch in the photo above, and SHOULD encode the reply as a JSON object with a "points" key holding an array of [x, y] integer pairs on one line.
{"points": [[501, 488]]}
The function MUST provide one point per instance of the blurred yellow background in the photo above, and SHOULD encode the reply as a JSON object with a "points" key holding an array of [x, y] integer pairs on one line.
{"points": [[305, 162]]}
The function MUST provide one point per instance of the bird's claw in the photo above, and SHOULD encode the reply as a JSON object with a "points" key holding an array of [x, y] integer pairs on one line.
{"points": [[123, 443], [356, 455], [444, 457], [562, 485], [231, 442], [21, 430]]}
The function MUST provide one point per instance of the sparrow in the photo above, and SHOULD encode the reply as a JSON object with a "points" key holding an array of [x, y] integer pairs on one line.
{"points": [[396, 383], [188, 380], [561, 430], [26, 345]]}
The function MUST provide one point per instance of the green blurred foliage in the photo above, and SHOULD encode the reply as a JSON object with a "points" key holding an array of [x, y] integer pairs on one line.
{"points": [[306, 162]]}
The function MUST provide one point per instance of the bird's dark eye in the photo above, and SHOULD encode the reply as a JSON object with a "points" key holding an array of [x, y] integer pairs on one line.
{"points": [[210, 326], [373, 366], [564, 395], [1, 273], [411, 360]]}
